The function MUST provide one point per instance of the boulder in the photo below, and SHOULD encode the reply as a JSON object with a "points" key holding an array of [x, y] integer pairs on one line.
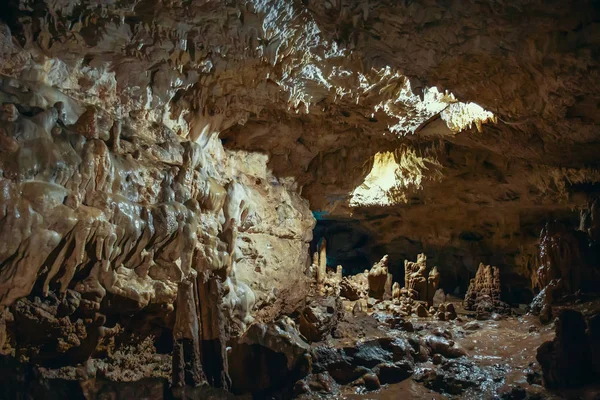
{"points": [[318, 319], [567, 360], [268, 356]]}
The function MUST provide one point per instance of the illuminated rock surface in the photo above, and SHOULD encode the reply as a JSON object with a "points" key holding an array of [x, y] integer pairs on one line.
{"points": [[168, 168]]}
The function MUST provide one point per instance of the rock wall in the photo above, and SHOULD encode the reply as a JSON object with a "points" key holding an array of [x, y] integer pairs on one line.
{"points": [[104, 217]]}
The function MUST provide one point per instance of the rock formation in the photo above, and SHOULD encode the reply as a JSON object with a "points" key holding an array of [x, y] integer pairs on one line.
{"points": [[355, 287], [104, 232], [484, 293], [380, 281], [568, 262], [567, 360], [319, 318], [418, 277], [163, 163]]}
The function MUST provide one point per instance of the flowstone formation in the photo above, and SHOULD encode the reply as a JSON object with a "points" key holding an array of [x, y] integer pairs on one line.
{"points": [[114, 231]]}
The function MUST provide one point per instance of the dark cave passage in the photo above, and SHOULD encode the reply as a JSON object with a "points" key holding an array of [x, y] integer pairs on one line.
{"points": [[351, 245]]}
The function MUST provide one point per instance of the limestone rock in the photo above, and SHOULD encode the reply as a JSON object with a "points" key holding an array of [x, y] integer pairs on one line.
{"points": [[439, 297], [319, 318], [268, 355], [354, 287], [483, 295], [379, 279], [421, 311], [567, 360], [418, 277]]}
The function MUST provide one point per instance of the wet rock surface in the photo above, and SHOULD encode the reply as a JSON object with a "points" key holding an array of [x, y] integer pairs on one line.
{"points": [[163, 165], [484, 293], [567, 361]]}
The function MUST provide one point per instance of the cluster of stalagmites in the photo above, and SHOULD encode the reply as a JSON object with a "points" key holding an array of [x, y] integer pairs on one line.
{"points": [[375, 287], [483, 294]]}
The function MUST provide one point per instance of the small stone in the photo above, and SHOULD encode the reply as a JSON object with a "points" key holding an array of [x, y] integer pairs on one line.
{"points": [[450, 312], [371, 381], [422, 311], [437, 359], [390, 373], [472, 326], [496, 317], [408, 326]]}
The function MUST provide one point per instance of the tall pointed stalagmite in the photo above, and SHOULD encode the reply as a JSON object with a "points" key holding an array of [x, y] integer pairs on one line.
{"points": [[322, 270]]}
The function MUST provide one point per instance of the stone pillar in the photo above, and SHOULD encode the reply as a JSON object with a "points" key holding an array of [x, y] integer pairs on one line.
{"points": [[387, 293], [322, 270], [187, 367], [338, 273], [433, 283], [214, 335]]}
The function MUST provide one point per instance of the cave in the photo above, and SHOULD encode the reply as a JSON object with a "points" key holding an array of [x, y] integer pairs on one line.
{"points": [[286, 199]]}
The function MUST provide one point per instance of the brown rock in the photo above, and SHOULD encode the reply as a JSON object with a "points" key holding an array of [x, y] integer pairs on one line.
{"points": [[371, 381], [567, 361], [378, 278], [319, 318], [483, 294], [422, 311], [418, 277]]}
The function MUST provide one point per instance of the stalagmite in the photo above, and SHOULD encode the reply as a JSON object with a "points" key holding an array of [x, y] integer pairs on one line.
{"points": [[484, 292], [380, 281], [418, 277], [214, 332], [322, 265], [187, 365], [433, 283]]}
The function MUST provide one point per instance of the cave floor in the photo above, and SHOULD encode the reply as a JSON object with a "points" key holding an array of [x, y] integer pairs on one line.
{"points": [[500, 360]]}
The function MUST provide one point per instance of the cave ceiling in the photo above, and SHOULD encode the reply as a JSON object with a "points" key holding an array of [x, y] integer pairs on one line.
{"points": [[480, 116]]}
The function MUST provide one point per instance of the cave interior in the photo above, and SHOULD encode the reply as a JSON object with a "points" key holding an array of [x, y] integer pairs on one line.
{"points": [[299, 199]]}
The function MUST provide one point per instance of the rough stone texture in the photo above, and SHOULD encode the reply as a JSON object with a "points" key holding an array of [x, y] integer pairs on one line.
{"points": [[355, 286], [484, 293], [145, 143], [379, 279], [567, 360], [319, 318], [268, 357], [418, 277], [101, 231]]}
